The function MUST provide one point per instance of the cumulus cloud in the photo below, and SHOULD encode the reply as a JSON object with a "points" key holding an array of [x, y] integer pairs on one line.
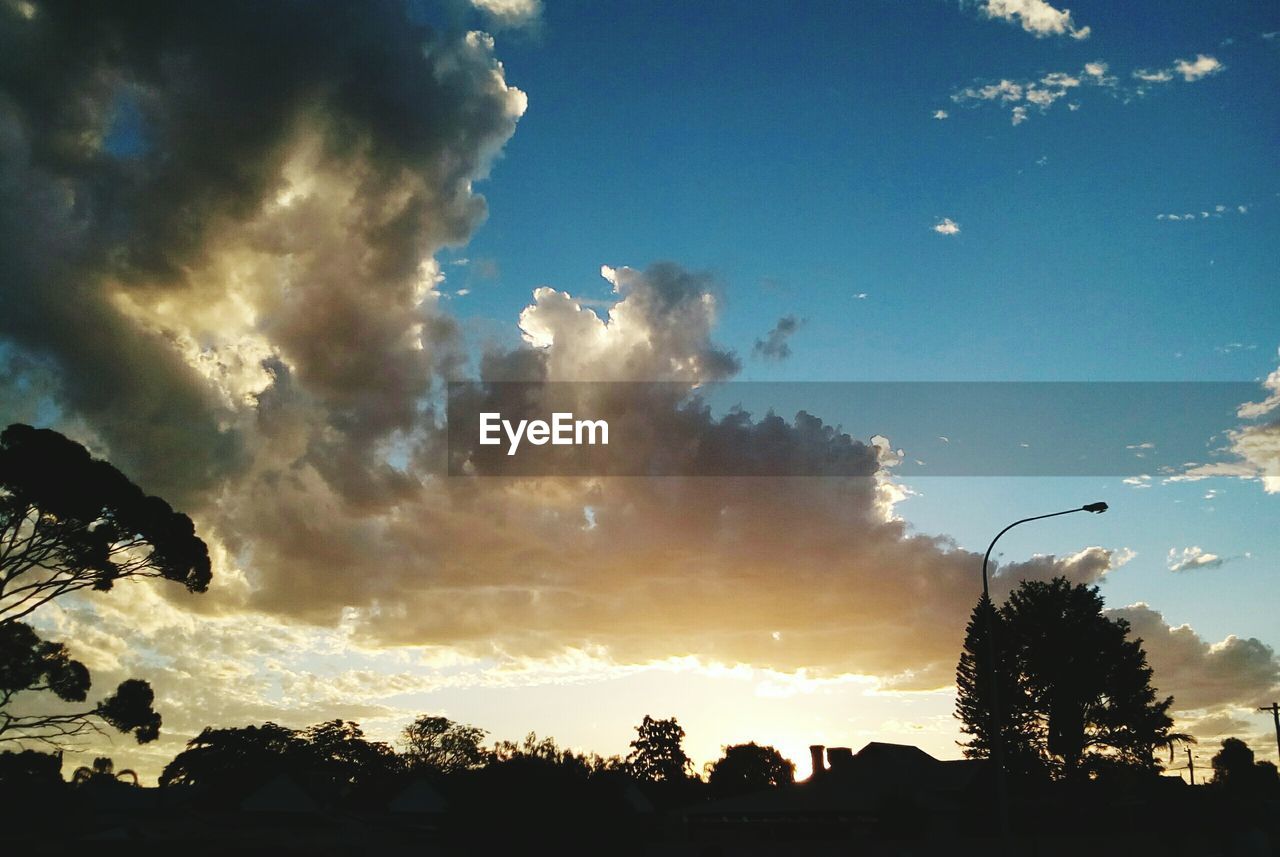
{"points": [[946, 226], [940, 114], [277, 238], [510, 13], [1036, 17], [1201, 67], [776, 343], [1193, 557], [1199, 674]]}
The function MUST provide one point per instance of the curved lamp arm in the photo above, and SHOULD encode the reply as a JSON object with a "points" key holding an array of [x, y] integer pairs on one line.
{"points": [[1097, 508]]}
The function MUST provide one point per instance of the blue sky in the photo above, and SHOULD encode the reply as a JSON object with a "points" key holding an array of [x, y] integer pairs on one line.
{"points": [[790, 149]]}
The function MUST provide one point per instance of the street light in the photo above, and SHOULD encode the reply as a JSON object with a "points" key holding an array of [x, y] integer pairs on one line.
{"points": [[997, 736]]}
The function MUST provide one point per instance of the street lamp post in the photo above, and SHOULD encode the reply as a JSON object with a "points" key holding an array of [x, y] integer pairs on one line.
{"points": [[997, 734]]}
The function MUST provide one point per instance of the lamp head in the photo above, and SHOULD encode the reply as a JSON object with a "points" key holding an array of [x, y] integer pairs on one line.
{"points": [[1098, 508]]}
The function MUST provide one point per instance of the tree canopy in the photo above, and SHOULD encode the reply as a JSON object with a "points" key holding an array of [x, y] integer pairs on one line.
{"points": [[1075, 691], [436, 743], [1235, 770], [746, 768], [70, 522], [657, 753]]}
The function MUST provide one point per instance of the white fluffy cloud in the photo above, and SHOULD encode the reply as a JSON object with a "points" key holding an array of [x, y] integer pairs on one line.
{"points": [[946, 226], [1201, 67], [510, 13], [1192, 558], [1036, 17]]}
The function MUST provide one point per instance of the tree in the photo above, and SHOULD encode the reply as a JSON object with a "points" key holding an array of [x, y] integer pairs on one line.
{"points": [[439, 744], [1076, 693], [29, 664], [226, 761], [337, 753], [103, 771], [657, 753], [70, 522], [973, 696], [746, 768], [1235, 770]]}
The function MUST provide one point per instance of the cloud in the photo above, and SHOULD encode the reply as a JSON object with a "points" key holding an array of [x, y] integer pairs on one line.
{"points": [[1023, 95], [1191, 71], [510, 13], [775, 345], [1201, 675], [946, 226], [1201, 67], [1253, 449], [1036, 17], [310, 200], [1193, 558], [1020, 97], [940, 114]]}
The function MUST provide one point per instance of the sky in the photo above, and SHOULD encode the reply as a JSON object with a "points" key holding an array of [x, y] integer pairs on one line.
{"points": [[246, 246]]}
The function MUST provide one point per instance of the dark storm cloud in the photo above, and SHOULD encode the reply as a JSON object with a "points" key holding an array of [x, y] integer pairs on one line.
{"points": [[95, 240]]}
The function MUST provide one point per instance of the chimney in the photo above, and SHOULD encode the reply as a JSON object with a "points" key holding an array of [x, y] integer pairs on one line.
{"points": [[840, 758], [817, 753]]}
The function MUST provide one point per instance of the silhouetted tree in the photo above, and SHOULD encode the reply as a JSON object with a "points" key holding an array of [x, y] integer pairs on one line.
{"points": [[227, 761], [69, 522], [337, 753], [102, 771], [1076, 693], [657, 753], [748, 768], [28, 769], [973, 696], [29, 664], [1235, 770], [439, 744], [333, 757]]}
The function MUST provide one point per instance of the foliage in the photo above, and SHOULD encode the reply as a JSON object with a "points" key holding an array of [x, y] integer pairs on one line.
{"points": [[102, 771], [30, 664], [438, 744], [70, 522], [657, 753], [1235, 771], [1075, 692], [29, 769], [333, 756], [746, 768], [973, 699]]}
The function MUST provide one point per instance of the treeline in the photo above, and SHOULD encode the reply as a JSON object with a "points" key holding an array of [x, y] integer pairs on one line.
{"points": [[335, 762]]}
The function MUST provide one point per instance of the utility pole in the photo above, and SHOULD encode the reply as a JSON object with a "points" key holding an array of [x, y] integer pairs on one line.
{"points": [[1191, 766], [1275, 714]]}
